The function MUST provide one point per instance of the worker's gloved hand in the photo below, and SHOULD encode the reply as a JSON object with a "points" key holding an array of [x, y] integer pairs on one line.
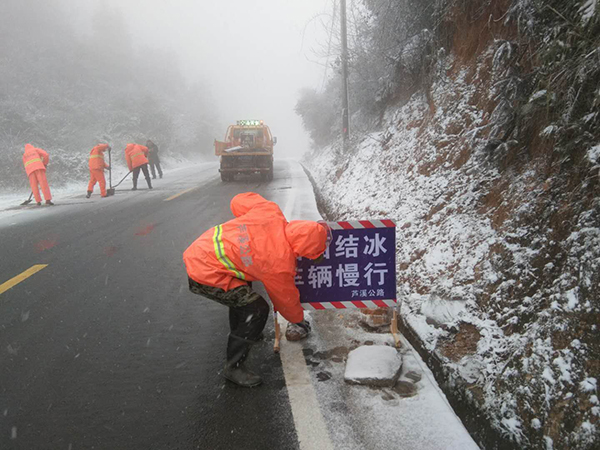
{"points": [[297, 331], [305, 324]]}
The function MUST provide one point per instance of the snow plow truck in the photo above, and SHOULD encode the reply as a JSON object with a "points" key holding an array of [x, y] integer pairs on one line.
{"points": [[248, 148]]}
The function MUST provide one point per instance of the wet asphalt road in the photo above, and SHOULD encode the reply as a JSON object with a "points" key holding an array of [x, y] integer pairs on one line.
{"points": [[107, 349]]}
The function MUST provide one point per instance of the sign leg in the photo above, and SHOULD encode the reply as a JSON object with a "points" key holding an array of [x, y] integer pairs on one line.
{"points": [[394, 329], [276, 346]]}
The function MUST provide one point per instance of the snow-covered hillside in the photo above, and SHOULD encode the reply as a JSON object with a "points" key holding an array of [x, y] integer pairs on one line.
{"points": [[498, 267], [475, 126]]}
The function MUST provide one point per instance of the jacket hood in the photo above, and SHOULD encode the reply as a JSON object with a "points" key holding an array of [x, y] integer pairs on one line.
{"points": [[28, 147], [129, 147], [99, 148], [242, 203], [307, 238]]}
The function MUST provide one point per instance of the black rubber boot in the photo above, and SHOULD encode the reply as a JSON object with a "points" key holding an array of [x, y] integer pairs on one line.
{"points": [[234, 320], [149, 183], [49, 203], [235, 370], [89, 194], [134, 188]]}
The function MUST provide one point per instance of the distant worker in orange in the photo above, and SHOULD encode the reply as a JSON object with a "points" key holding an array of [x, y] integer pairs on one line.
{"points": [[35, 161], [97, 168], [258, 245], [137, 159]]}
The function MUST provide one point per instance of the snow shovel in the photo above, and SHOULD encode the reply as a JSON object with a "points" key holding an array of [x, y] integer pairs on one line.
{"points": [[111, 190], [28, 201]]}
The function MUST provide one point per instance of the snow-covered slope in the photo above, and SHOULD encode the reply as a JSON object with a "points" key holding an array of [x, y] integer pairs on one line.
{"points": [[498, 263]]}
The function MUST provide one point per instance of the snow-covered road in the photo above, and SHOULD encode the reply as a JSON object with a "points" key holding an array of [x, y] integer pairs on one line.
{"points": [[106, 335]]}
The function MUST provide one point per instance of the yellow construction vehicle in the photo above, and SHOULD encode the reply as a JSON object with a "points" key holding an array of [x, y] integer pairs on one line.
{"points": [[248, 148]]}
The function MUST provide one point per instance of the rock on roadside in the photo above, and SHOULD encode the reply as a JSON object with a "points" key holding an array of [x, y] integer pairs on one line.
{"points": [[373, 365]]}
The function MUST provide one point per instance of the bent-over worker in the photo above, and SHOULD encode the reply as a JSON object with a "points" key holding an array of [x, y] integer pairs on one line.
{"points": [[137, 159], [97, 168], [35, 161], [258, 245]]}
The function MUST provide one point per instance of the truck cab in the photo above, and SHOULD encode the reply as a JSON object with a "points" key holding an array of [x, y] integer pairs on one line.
{"points": [[247, 148]]}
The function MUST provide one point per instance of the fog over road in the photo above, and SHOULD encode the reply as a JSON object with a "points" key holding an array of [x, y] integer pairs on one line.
{"points": [[105, 347]]}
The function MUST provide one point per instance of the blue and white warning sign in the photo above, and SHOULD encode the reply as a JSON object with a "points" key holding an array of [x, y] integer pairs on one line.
{"points": [[358, 269]]}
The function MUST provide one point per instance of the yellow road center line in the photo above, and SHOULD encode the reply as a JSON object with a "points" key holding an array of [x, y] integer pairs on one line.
{"points": [[22, 277], [181, 193]]}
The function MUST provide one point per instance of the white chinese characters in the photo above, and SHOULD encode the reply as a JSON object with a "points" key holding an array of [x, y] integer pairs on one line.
{"points": [[346, 275], [357, 265], [347, 246], [377, 268], [374, 245], [319, 276]]}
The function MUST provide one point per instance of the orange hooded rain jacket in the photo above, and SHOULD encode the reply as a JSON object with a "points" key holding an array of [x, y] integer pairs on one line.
{"points": [[136, 155], [259, 244], [34, 159], [97, 157]]}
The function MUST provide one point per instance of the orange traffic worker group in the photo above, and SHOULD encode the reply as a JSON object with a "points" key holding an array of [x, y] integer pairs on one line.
{"points": [[35, 161]]}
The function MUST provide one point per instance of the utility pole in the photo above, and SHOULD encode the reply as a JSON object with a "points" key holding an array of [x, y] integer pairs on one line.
{"points": [[345, 124]]}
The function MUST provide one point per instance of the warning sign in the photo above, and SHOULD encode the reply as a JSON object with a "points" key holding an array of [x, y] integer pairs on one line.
{"points": [[358, 269]]}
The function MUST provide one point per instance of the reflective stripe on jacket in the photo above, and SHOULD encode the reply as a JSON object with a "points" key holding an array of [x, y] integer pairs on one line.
{"points": [[259, 244], [97, 157], [34, 159], [31, 161]]}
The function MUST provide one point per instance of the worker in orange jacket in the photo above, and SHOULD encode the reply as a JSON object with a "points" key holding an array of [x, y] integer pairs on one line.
{"points": [[258, 245], [97, 167], [137, 159], [35, 161]]}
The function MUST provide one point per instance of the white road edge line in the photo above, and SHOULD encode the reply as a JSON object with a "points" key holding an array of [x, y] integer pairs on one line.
{"points": [[310, 424], [308, 420]]}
